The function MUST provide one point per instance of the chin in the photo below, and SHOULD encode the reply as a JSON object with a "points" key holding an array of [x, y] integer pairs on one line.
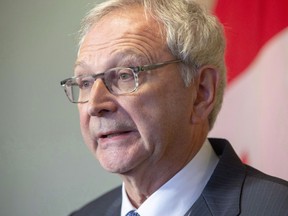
{"points": [[114, 165], [115, 169]]}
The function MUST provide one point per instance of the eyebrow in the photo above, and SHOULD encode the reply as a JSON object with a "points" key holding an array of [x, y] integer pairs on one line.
{"points": [[132, 58], [120, 59]]}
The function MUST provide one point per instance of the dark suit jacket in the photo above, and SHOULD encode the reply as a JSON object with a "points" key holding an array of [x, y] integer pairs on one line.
{"points": [[233, 189]]}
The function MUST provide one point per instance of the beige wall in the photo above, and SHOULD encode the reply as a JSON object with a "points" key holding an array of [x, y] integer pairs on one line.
{"points": [[45, 169]]}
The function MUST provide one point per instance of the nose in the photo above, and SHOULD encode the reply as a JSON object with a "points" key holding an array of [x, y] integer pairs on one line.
{"points": [[101, 101]]}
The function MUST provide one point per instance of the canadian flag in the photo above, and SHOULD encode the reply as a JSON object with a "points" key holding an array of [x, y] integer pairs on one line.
{"points": [[254, 115]]}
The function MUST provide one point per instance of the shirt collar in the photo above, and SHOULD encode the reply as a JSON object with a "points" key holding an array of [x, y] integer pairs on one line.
{"points": [[186, 186]]}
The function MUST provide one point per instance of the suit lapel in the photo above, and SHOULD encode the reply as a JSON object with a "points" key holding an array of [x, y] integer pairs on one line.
{"points": [[222, 194], [199, 208]]}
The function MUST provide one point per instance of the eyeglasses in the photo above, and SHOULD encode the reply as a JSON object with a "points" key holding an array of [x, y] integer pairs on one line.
{"points": [[119, 81]]}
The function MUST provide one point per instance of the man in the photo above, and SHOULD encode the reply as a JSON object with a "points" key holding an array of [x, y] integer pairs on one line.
{"points": [[149, 82]]}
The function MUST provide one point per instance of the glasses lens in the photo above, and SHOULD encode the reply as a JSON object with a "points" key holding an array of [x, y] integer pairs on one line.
{"points": [[78, 89], [72, 90], [117, 80], [120, 80]]}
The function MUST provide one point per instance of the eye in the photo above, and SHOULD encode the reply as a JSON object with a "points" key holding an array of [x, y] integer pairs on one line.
{"points": [[85, 83], [125, 74]]}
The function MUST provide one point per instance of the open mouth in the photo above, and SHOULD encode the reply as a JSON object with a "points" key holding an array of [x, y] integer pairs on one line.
{"points": [[114, 134]]}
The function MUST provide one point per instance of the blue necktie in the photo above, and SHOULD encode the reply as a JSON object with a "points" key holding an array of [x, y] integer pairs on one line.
{"points": [[132, 213]]}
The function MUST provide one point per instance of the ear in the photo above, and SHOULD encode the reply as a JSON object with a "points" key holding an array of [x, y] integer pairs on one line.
{"points": [[206, 83]]}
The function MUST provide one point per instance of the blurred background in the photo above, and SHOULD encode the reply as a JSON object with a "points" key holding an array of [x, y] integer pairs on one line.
{"points": [[46, 169]]}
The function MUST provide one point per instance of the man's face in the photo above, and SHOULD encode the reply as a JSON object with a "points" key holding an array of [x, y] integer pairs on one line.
{"points": [[144, 129]]}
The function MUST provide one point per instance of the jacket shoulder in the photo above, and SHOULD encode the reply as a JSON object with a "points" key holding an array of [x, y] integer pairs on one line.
{"points": [[261, 177], [264, 194], [110, 201]]}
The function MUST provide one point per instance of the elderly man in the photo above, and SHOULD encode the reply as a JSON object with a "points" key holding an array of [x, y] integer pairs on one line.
{"points": [[149, 82]]}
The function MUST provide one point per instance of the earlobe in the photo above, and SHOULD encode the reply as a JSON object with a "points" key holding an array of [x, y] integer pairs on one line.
{"points": [[206, 83]]}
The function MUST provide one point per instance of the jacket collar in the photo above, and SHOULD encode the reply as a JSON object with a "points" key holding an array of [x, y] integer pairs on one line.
{"points": [[222, 194]]}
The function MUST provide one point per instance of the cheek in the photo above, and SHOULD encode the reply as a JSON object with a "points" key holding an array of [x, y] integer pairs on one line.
{"points": [[148, 115], [160, 117], [84, 126], [83, 117]]}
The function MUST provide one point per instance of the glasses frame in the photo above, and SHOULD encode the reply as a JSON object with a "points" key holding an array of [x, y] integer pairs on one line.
{"points": [[136, 70]]}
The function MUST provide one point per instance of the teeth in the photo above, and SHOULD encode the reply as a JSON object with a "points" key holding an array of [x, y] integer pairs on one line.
{"points": [[112, 135]]}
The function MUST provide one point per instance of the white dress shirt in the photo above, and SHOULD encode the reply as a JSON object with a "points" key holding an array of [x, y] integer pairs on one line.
{"points": [[176, 196]]}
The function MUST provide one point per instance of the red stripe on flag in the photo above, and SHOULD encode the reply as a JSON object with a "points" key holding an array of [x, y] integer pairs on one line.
{"points": [[249, 24]]}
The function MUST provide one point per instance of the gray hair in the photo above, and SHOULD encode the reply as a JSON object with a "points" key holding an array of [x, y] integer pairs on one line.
{"points": [[192, 35]]}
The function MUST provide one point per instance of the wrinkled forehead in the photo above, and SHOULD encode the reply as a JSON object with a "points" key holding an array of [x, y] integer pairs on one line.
{"points": [[124, 21], [120, 32]]}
